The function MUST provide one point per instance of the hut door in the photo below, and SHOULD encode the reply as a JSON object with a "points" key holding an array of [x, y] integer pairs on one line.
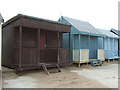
{"points": [[42, 46], [42, 40], [48, 46]]}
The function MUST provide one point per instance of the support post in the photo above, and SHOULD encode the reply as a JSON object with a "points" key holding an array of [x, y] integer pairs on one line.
{"points": [[89, 46], [104, 47], [108, 50], [70, 48], [20, 46], [58, 45], [38, 46], [79, 50], [69, 40], [113, 48]]}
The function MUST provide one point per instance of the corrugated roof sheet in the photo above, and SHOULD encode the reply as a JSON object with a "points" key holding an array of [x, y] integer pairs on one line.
{"points": [[108, 33], [83, 26], [117, 32]]}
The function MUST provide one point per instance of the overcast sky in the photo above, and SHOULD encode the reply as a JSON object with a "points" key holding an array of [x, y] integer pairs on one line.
{"points": [[100, 13]]}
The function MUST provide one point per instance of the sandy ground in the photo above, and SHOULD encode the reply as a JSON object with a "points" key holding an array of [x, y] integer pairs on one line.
{"points": [[86, 76], [107, 76]]}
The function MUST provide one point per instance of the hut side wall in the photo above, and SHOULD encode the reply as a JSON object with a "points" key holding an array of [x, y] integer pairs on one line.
{"points": [[111, 48], [7, 44]]}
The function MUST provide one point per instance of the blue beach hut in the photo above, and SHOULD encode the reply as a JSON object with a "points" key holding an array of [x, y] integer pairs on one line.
{"points": [[110, 44], [84, 43]]}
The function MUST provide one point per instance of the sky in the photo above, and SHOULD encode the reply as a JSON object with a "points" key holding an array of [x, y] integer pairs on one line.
{"points": [[100, 13]]}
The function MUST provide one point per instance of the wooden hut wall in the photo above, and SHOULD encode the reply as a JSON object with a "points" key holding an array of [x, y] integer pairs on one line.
{"points": [[28, 42], [7, 43]]}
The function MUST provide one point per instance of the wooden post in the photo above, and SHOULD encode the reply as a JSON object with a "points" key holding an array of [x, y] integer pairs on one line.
{"points": [[58, 45], [89, 46], [108, 49], [113, 47], [70, 48], [69, 40], [20, 46], [38, 46], [79, 49], [104, 47], [103, 43], [97, 47]]}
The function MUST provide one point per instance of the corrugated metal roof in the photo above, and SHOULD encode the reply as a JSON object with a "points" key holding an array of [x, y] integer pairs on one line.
{"points": [[108, 33], [117, 32], [83, 26]]}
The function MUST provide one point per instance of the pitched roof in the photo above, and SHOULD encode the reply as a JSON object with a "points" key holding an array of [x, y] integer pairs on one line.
{"points": [[108, 33], [32, 17], [83, 26], [117, 32], [1, 19]]}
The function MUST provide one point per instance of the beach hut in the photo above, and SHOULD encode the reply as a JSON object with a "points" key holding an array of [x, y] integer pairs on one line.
{"points": [[31, 42], [110, 44], [117, 32], [83, 41]]}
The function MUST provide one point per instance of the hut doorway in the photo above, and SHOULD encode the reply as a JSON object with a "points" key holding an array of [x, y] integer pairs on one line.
{"points": [[48, 46]]}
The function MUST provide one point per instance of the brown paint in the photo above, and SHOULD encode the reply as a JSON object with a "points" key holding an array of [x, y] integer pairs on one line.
{"points": [[27, 43]]}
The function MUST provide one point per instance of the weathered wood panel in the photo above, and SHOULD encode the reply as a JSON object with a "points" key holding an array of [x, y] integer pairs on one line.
{"points": [[29, 56]]}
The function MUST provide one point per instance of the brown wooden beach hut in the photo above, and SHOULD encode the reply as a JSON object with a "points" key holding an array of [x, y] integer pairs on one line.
{"points": [[30, 43]]}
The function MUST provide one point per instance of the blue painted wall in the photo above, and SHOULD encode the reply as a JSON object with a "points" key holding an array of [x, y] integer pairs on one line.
{"points": [[100, 43], [84, 42], [111, 48], [93, 48]]}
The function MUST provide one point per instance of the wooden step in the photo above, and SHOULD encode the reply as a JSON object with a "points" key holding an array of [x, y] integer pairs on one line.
{"points": [[96, 62], [56, 70]]}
